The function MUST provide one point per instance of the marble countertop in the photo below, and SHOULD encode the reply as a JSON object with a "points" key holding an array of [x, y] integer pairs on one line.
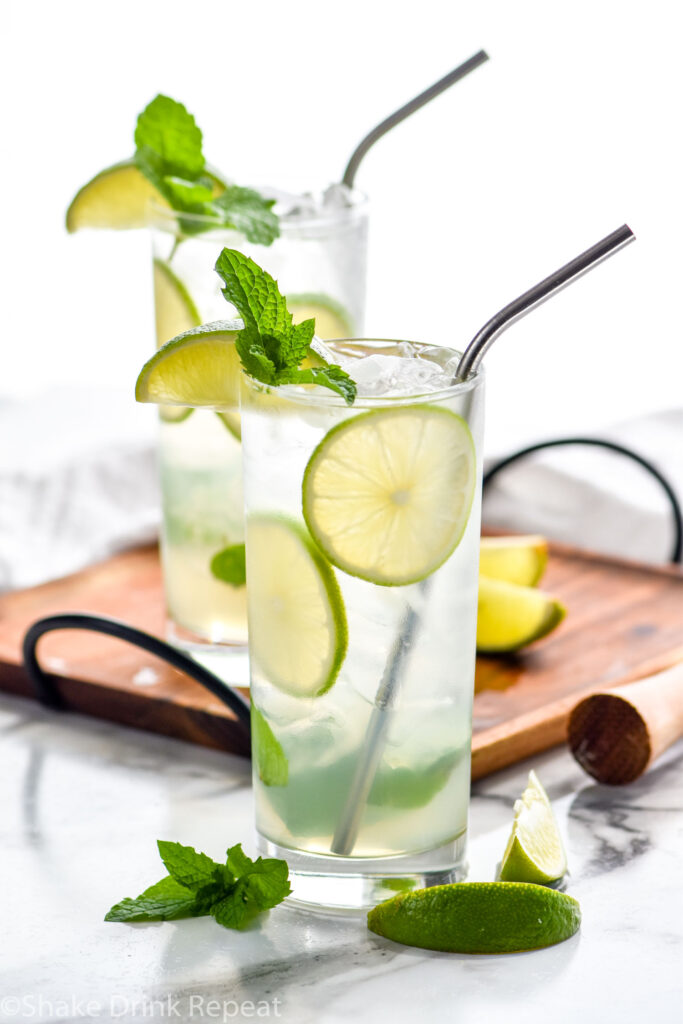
{"points": [[83, 803]]}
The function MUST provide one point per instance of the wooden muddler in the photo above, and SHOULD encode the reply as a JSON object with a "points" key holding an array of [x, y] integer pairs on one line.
{"points": [[616, 735]]}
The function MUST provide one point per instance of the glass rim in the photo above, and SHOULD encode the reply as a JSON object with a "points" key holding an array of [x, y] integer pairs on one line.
{"points": [[319, 396], [164, 215]]}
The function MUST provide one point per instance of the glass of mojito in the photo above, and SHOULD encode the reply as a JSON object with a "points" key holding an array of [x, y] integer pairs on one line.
{"points": [[362, 548], [319, 260]]}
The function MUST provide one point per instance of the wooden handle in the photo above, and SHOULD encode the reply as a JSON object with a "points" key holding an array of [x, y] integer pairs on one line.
{"points": [[615, 736], [511, 741]]}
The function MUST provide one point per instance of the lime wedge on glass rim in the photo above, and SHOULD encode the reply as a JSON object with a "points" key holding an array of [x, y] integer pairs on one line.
{"points": [[118, 198], [510, 617], [519, 560], [199, 367], [300, 635], [478, 917], [387, 493], [534, 852]]}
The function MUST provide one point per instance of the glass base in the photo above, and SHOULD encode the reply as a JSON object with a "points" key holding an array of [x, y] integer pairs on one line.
{"points": [[230, 662], [337, 885]]}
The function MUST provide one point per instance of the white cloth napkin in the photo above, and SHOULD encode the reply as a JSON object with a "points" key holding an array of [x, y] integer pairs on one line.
{"points": [[595, 499], [78, 482]]}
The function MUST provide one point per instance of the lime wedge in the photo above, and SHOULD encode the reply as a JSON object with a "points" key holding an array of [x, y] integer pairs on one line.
{"points": [[331, 319], [534, 852], [297, 621], [511, 616], [478, 917], [519, 560], [198, 368], [175, 313], [118, 197], [387, 493]]}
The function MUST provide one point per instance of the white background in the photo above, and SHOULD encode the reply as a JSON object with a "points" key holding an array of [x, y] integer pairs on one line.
{"points": [[572, 128]]}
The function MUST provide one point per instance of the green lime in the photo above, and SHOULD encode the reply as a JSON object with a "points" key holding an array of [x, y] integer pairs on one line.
{"points": [[478, 917], [175, 313], [387, 494], [534, 852], [119, 197], [519, 560], [297, 620], [331, 319], [510, 616], [198, 368]]}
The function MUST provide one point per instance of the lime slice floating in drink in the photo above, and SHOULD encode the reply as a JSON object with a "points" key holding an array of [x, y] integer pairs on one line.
{"points": [[198, 368], [510, 616], [119, 198], [299, 633], [519, 560], [331, 319], [478, 917], [387, 494], [175, 313], [534, 852]]}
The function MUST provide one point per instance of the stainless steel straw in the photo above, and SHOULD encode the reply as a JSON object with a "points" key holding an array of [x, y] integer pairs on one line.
{"points": [[345, 835], [405, 111]]}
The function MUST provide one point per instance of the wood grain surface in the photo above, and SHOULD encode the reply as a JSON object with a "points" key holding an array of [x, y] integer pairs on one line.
{"points": [[624, 621]]}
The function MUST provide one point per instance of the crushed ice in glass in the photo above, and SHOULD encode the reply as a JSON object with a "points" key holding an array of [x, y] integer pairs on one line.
{"points": [[389, 376]]}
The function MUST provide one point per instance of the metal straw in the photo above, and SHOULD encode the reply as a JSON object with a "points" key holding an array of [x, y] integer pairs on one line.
{"points": [[405, 111], [482, 341], [345, 835]]}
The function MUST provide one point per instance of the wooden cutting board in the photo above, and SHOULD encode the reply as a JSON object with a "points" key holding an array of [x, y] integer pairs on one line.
{"points": [[624, 621]]}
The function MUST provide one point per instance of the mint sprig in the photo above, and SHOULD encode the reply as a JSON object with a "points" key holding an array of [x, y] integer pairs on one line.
{"points": [[233, 893], [270, 346], [169, 154]]}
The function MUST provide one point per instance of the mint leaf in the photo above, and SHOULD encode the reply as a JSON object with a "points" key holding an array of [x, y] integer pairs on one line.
{"points": [[264, 881], [186, 194], [254, 293], [270, 346], [247, 211], [237, 860], [189, 868], [229, 565], [233, 892], [271, 762], [261, 885], [331, 377], [167, 900], [168, 142], [169, 154]]}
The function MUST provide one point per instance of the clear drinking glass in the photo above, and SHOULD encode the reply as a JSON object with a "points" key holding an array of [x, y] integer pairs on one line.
{"points": [[362, 758], [319, 261]]}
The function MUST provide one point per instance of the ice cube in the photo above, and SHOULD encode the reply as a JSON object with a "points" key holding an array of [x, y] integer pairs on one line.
{"points": [[337, 196], [379, 375]]}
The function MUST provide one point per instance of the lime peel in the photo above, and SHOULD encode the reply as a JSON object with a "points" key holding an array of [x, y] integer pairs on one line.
{"points": [[478, 917]]}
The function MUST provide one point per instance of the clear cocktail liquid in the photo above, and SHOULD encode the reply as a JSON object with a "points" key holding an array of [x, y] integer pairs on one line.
{"points": [[319, 262], [413, 823]]}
